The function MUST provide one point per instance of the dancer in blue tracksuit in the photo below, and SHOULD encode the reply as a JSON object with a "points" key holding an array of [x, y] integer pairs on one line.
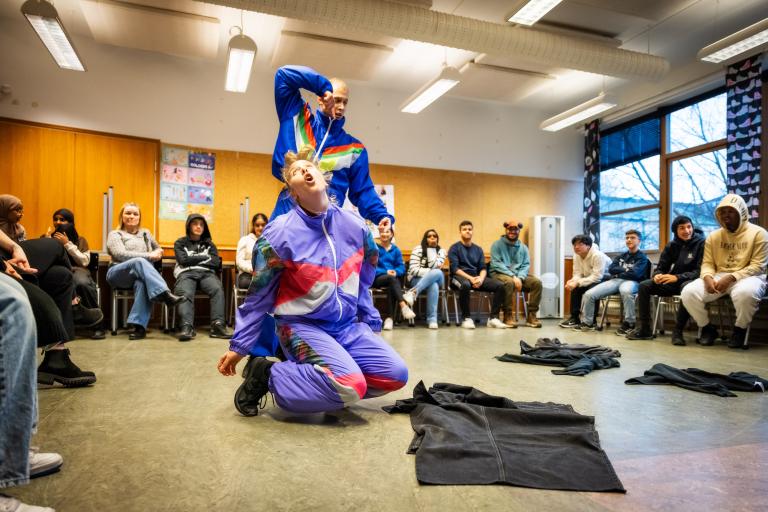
{"points": [[336, 152], [313, 267]]}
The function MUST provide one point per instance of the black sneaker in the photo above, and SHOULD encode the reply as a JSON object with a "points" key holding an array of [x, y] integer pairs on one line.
{"points": [[138, 332], [58, 367], [585, 327], [677, 338], [251, 395], [624, 329], [571, 323], [639, 334], [186, 333], [99, 334], [86, 317], [170, 299], [708, 335], [738, 337], [219, 330]]}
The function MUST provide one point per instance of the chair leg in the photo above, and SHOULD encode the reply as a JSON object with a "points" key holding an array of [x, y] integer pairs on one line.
{"points": [[165, 319], [746, 337], [114, 314], [456, 309], [604, 305], [656, 329]]}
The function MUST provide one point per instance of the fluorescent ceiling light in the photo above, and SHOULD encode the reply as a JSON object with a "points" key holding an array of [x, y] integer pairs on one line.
{"points": [[242, 50], [445, 81], [737, 43], [45, 21], [586, 110], [533, 11]]}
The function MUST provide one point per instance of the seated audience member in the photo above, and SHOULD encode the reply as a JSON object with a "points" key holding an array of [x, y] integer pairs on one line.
{"points": [[625, 273], [733, 264], [132, 249], [11, 212], [590, 267], [510, 264], [18, 400], [197, 261], [389, 270], [51, 332], [425, 273], [64, 232], [244, 255], [468, 273], [679, 264]]}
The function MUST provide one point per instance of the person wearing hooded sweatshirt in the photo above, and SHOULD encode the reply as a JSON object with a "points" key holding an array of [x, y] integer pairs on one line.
{"points": [[510, 263], [733, 264], [590, 267], [197, 261], [678, 265]]}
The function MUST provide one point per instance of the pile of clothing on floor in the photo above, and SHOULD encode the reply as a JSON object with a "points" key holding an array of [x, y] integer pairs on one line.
{"points": [[701, 380], [577, 359]]}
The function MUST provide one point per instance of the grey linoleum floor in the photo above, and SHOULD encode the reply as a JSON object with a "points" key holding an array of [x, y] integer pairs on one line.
{"points": [[158, 432]]}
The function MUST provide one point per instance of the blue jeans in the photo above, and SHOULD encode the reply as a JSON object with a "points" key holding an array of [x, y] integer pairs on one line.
{"points": [[147, 283], [627, 290], [18, 382], [432, 282]]}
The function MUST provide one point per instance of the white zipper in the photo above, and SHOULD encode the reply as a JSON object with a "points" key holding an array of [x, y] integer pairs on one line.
{"points": [[322, 144], [335, 263]]}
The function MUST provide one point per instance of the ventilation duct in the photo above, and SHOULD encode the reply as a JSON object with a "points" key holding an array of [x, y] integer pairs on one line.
{"points": [[419, 24]]}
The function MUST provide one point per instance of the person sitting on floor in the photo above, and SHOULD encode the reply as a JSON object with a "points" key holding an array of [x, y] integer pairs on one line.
{"points": [[425, 272], [389, 271], [626, 271], [510, 263], [679, 264], [590, 267], [245, 251], [197, 261], [468, 273], [733, 264]]}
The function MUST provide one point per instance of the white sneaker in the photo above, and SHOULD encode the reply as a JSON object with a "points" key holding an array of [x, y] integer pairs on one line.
{"points": [[41, 464], [468, 323], [387, 325], [496, 323], [432, 325], [8, 504], [407, 312], [409, 297]]}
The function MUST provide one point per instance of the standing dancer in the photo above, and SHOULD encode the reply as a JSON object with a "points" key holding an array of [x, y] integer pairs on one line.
{"points": [[312, 270]]}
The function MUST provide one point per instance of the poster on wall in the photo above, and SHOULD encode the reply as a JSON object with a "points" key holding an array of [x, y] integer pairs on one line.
{"points": [[187, 181], [387, 195]]}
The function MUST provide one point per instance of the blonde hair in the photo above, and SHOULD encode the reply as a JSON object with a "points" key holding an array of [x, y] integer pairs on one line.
{"points": [[122, 209], [305, 152]]}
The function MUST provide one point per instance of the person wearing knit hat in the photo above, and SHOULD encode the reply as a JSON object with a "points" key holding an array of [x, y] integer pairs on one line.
{"points": [[510, 264], [678, 265]]}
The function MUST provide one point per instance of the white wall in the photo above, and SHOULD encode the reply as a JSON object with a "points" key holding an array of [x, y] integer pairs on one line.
{"points": [[183, 101]]}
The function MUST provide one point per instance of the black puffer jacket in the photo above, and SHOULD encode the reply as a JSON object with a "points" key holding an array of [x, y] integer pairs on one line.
{"points": [[682, 258]]}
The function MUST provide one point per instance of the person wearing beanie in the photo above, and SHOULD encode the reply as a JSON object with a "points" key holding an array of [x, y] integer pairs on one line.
{"points": [[510, 263], [678, 265], [733, 264]]}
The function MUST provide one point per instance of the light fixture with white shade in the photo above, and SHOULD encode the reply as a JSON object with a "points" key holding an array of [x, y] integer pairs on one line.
{"points": [[533, 11], [587, 110], [45, 21], [242, 51], [737, 43], [448, 78]]}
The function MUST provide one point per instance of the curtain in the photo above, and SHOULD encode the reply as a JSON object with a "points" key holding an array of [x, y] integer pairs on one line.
{"points": [[591, 215]]}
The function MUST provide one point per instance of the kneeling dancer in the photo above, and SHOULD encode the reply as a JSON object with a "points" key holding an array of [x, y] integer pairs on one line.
{"points": [[312, 270]]}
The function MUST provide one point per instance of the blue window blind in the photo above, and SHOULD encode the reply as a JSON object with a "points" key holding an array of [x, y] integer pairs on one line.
{"points": [[628, 143]]}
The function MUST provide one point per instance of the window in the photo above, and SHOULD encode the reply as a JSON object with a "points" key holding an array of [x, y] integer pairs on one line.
{"points": [[697, 124], [698, 185]]}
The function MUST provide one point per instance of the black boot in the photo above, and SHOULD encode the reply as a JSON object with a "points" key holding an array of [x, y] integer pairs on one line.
{"points": [[138, 332], [643, 332], [186, 333], [249, 397], [169, 299], [58, 367], [738, 337], [677, 337], [87, 317], [219, 330], [708, 335]]}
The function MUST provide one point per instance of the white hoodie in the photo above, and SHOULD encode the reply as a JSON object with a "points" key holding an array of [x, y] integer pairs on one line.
{"points": [[592, 268]]}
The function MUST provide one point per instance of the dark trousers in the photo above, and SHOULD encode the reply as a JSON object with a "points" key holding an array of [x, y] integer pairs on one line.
{"points": [[576, 296], [50, 326], [187, 284], [394, 291], [244, 280], [648, 288], [85, 287], [490, 285]]}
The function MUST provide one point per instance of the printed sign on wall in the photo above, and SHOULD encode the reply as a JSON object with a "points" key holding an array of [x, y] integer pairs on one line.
{"points": [[186, 183]]}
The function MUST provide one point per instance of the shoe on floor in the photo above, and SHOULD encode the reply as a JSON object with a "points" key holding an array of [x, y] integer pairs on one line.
{"points": [[432, 325], [41, 464], [624, 328], [677, 338], [169, 299], [9, 504], [409, 297], [219, 330], [532, 321], [585, 327], [58, 367], [407, 312], [639, 333], [708, 335], [509, 320], [186, 333], [86, 317], [251, 395], [738, 337], [496, 323], [571, 323], [138, 332], [99, 334], [468, 323], [388, 324]]}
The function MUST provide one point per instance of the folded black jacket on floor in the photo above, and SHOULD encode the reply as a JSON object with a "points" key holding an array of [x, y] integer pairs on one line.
{"points": [[701, 380], [467, 437], [577, 359]]}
